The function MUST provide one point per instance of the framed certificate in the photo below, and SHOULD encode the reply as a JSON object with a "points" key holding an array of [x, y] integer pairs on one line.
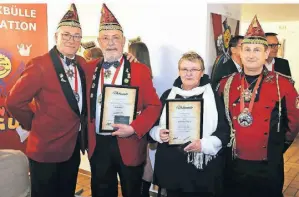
{"points": [[184, 120], [119, 105]]}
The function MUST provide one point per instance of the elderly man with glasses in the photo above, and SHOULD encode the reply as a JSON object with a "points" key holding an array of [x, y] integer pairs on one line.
{"points": [[273, 63], [56, 82], [116, 141]]}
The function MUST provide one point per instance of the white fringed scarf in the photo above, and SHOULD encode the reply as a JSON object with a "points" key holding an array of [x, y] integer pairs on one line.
{"points": [[210, 119]]}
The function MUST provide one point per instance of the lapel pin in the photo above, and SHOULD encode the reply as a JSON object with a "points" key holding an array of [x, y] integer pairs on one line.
{"points": [[61, 78]]}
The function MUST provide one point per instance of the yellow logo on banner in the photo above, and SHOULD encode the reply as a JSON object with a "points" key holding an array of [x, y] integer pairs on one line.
{"points": [[226, 38], [5, 66]]}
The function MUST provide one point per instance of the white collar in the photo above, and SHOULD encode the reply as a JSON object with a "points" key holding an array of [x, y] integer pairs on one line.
{"points": [[271, 63], [239, 68]]}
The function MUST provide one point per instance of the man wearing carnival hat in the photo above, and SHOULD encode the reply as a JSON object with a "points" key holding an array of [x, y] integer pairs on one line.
{"points": [[263, 115], [123, 150], [56, 82]]}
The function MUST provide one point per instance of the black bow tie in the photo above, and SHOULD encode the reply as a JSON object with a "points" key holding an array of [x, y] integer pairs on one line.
{"points": [[67, 60], [107, 65]]}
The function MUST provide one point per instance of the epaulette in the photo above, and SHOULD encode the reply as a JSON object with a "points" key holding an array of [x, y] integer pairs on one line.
{"points": [[286, 76], [224, 77]]}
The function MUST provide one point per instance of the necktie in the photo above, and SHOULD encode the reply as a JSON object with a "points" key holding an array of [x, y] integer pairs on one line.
{"points": [[107, 65]]}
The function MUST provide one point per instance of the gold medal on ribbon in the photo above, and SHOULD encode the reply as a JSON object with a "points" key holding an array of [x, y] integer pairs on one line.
{"points": [[245, 118]]}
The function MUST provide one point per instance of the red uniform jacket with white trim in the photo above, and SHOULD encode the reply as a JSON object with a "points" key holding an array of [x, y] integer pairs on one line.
{"points": [[263, 140]]}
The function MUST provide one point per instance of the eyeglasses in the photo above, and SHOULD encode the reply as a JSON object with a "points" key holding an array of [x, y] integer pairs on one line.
{"points": [[193, 70], [67, 37], [114, 39], [277, 45]]}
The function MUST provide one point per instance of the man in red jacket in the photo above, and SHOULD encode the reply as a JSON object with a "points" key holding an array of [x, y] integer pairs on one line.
{"points": [[122, 151], [262, 109], [56, 82]]}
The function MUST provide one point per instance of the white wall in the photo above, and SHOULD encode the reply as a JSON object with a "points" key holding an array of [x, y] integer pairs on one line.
{"points": [[278, 12], [161, 24], [168, 28]]}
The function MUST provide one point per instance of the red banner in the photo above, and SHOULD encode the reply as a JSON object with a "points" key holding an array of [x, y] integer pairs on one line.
{"points": [[224, 28], [23, 35]]}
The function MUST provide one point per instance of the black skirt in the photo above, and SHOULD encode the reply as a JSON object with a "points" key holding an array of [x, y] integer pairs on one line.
{"points": [[173, 172]]}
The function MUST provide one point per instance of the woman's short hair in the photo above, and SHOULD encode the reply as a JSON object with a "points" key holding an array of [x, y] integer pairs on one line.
{"points": [[192, 57]]}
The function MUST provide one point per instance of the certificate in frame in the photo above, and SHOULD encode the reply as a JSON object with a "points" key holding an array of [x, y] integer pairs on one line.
{"points": [[119, 105], [184, 120]]}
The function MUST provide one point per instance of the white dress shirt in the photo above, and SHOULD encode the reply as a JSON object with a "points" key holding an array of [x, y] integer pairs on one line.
{"points": [[239, 68], [269, 66], [72, 83], [118, 81]]}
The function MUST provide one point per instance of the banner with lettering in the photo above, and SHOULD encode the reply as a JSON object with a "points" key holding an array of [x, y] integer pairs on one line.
{"points": [[23, 35]]}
